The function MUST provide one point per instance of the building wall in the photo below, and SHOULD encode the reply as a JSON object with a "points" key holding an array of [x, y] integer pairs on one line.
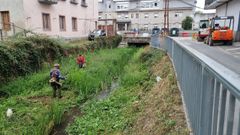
{"points": [[15, 8], [153, 9], [201, 16], [231, 9], [86, 17]]}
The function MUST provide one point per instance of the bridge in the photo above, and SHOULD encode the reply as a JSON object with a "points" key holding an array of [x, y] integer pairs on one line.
{"points": [[209, 81]]}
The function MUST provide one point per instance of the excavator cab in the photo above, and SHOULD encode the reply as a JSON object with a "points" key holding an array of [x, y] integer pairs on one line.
{"points": [[203, 30], [221, 30]]}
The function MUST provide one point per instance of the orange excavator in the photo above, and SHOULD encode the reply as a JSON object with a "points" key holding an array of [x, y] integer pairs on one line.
{"points": [[220, 31]]}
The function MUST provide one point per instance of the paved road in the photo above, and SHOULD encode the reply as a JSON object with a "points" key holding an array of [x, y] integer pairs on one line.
{"points": [[232, 50], [229, 56]]}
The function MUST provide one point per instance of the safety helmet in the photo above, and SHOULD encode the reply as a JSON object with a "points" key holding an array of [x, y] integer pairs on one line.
{"points": [[56, 65]]}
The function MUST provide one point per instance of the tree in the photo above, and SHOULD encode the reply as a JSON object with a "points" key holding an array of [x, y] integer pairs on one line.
{"points": [[187, 23]]}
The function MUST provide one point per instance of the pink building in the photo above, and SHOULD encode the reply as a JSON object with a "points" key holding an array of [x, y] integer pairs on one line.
{"points": [[57, 18]]}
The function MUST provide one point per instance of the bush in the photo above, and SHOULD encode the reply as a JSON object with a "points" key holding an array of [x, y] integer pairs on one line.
{"points": [[25, 55], [187, 23], [22, 55]]}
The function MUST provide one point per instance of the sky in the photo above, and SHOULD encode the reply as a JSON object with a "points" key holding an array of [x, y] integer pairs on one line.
{"points": [[200, 3]]}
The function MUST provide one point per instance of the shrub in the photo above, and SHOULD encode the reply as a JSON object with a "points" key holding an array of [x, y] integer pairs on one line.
{"points": [[24, 55]]}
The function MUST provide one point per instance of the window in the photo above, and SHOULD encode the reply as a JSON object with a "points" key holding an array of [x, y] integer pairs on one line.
{"points": [[74, 24], [6, 20], [146, 26], [46, 21], [74, 2], [156, 15], [62, 23], [119, 16], [132, 15], [137, 15], [84, 4], [146, 15], [178, 14]]}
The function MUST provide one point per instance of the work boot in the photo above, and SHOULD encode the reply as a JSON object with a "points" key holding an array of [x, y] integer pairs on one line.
{"points": [[54, 93], [59, 93]]}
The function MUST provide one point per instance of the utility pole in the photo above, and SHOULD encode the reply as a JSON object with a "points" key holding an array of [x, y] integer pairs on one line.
{"points": [[106, 20], [166, 17], [138, 9]]}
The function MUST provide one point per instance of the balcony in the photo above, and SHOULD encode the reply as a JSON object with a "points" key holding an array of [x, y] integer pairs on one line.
{"points": [[212, 4], [48, 2], [74, 2]]}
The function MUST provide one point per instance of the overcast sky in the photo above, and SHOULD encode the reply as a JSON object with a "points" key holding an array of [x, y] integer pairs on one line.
{"points": [[200, 3]]}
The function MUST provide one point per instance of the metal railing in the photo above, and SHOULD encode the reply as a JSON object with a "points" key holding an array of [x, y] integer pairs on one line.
{"points": [[210, 91], [14, 29]]}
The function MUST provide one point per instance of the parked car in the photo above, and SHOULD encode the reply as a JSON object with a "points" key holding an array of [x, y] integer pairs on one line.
{"points": [[174, 32], [96, 33]]}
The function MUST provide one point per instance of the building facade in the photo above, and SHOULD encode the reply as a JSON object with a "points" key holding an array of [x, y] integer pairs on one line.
{"points": [[60, 18], [202, 15], [144, 14], [227, 8]]}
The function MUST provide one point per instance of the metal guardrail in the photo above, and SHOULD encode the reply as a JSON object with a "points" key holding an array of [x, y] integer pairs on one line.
{"points": [[210, 91]]}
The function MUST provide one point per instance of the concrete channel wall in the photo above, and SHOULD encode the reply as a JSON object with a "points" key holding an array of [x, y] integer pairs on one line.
{"points": [[210, 91]]}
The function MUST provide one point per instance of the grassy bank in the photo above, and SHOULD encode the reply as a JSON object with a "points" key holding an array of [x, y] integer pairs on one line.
{"points": [[35, 112], [25, 55], [139, 105]]}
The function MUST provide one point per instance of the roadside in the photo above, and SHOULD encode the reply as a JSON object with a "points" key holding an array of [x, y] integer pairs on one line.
{"points": [[162, 110], [222, 56]]}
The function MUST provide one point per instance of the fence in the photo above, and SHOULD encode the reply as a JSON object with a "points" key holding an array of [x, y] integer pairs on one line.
{"points": [[211, 92], [13, 30]]}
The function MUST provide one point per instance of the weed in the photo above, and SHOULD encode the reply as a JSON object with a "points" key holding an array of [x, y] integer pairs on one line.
{"points": [[35, 112]]}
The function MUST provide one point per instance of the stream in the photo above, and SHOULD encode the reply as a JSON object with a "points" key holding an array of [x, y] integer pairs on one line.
{"points": [[69, 116]]}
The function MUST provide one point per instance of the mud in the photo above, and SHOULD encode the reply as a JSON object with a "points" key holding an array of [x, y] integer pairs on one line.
{"points": [[68, 118]]}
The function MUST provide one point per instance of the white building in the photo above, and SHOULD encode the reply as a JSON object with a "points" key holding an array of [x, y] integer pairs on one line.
{"points": [[144, 14], [60, 18]]}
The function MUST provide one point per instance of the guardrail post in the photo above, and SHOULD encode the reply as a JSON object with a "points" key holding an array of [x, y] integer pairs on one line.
{"points": [[222, 106], [238, 130], [230, 117], [215, 106], [206, 103]]}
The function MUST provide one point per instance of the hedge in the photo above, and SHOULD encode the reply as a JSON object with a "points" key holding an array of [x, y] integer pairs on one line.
{"points": [[21, 56]]}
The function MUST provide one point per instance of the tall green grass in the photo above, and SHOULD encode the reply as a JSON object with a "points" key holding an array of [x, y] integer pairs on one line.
{"points": [[35, 112], [116, 113]]}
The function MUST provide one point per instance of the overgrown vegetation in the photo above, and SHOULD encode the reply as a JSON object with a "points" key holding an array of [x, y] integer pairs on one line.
{"points": [[23, 56], [129, 109], [127, 106], [35, 112]]}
